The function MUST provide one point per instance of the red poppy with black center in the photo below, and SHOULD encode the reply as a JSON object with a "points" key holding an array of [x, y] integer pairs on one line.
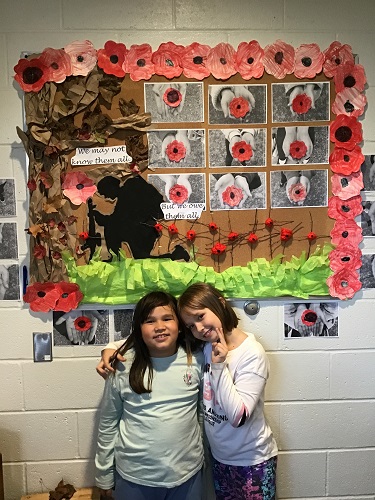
{"points": [[345, 162], [309, 317], [345, 255], [111, 59], [268, 222], [172, 97], [286, 234], [167, 60], [301, 104], [158, 227], [31, 74], [42, 297], [297, 150], [232, 236], [218, 249], [70, 296], [82, 323], [350, 75], [242, 151], [346, 132], [297, 192], [239, 107], [213, 226], [193, 60], [232, 196], [173, 229], [249, 60], [344, 209], [311, 236], [191, 235], [176, 151], [252, 238], [344, 284], [58, 62], [346, 231], [178, 194], [279, 59]]}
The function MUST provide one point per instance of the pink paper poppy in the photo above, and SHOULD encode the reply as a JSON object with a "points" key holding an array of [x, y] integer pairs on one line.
{"points": [[242, 151], [138, 62], [82, 55], [285, 234], [350, 102], [58, 62], [178, 194], [344, 284], [249, 60], [172, 97], [239, 107], [308, 61], [334, 56], [39, 252], [252, 238], [42, 297], [69, 296], [345, 162], [221, 62], [232, 236], [297, 193], [346, 232], [232, 196], [31, 74], [112, 58], [218, 249], [191, 235], [82, 323], [194, 61], [78, 187], [346, 132], [297, 150], [344, 209], [167, 60], [349, 75], [176, 151], [173, 229], [347, 186], [301, 104], [279, 59], [345, 256]]}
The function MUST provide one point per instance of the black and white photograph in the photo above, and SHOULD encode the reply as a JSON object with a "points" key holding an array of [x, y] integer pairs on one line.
{"points": [[300, 145], [180, 188], [9, 282], [368, 218], [241, 104], [42, 347], [7, 198], [174, 102], [300, 102], [81, 327], [237, 147], [182, 148], [367, 271], [311, 319], [368, 173], [122, 323], [8, 240], [238, 191], [299, 188]]}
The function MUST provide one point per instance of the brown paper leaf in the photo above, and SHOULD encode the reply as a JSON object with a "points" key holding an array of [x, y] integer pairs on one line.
{"points": [[62, 491], [35, 229], [128, 108]]}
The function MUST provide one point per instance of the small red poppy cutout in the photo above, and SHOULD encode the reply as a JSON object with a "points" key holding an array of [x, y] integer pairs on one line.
{"points": [[242, 151], [218, 249], [232, 196], [191, 235], [239, 107], [297, 193], [252, 238], [82, 323], [173, 229], [178, 194], [311, 236], [298, 150], [158, 227], [232, 236], [285, 234], [176, 151], [172, 97], [213, 226], [301, 104], [268, 222]]}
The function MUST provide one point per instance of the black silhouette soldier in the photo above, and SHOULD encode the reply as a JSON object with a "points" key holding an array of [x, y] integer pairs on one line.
{"points": [[133, 219]]}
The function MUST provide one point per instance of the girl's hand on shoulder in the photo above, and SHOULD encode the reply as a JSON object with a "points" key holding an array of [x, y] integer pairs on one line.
{"points": [[219, 348]]}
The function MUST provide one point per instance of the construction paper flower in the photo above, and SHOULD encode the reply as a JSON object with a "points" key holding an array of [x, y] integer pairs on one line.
{"points": [[346, 231], [311, 236], [309, 317], [345, 256], [344, 284], [167, 60], [138, 62], [212, 226], [268, 222], [176, 151], [191, 235], [78, 187], [345, 162], [242, 151], [221, 62], [232, 196], [301, 104], [42, 297], [349, 102], [279, 59], [58, 62], [347, 186], [69, 296], [194, 59], [31, 184], [297, 150], [349, 75], [249, 60], [31, 74], [285, 234], [252, 238], [82, 323], [172, 97], [334, 56], [158, 227], [173, 229], [297, 193], [218, 249], [82, 55], [232, 236], [346, 132], [112, 58], [84, 235], [344, 209], [178, 194], [39, 252], [239, 107], [308, 61]]}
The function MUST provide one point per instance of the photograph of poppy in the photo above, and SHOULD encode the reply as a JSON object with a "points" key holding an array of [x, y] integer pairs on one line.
{"points": [[122, 319], [299, 188], [42, 347], [237, 147], [311, 319], [7, 198], [180, 189], [367, 271], [8, 240], [174, 102], [300, 102], [368, 172], [368, 218], [182, 148], [238, 191], [231, 104], [81, 327], [9, 282]]}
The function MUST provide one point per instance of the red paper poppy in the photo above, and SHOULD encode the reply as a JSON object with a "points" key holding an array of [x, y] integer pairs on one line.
{"points": [[58, 62], [345, 256], [279, 59], [221, 62], [42, 297], [297, 193], [138, 62], [158, 227], [39, 252], [349, 75], [344, 284], [346, 162], [285, 234], [311, 236], [178, 194], [347, 186], [69, 296], [249, 60], [297, 150], [213, 226], [308, 61], [172, 97], [173, 229], [82, 55], [239, 107], [346, 132], [334, 56], [232, 196], [78, 187], [176, 151], [344, 209], [194, 58], [84, 235], [242, 151], [350, 102], [31, 184], [112, 58], [301, 104], [218, 249], [252, 238], [191, 235], [346, 231], [309, 317], [268, 222], [232, 236], [31, 74], [82, 323], [167, 60]]}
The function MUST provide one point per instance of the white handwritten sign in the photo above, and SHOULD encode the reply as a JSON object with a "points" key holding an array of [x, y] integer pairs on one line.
{"points": [[100, 156], [173, 211]]}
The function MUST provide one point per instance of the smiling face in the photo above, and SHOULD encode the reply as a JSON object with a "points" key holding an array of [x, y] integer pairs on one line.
{"points": [[202, 323], [160, 332]]}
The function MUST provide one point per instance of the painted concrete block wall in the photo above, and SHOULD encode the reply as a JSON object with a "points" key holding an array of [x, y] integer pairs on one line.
{"points": [[321, 393]]}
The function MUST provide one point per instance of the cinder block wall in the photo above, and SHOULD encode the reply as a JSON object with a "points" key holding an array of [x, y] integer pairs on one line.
{"points": [[321, 395]]}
